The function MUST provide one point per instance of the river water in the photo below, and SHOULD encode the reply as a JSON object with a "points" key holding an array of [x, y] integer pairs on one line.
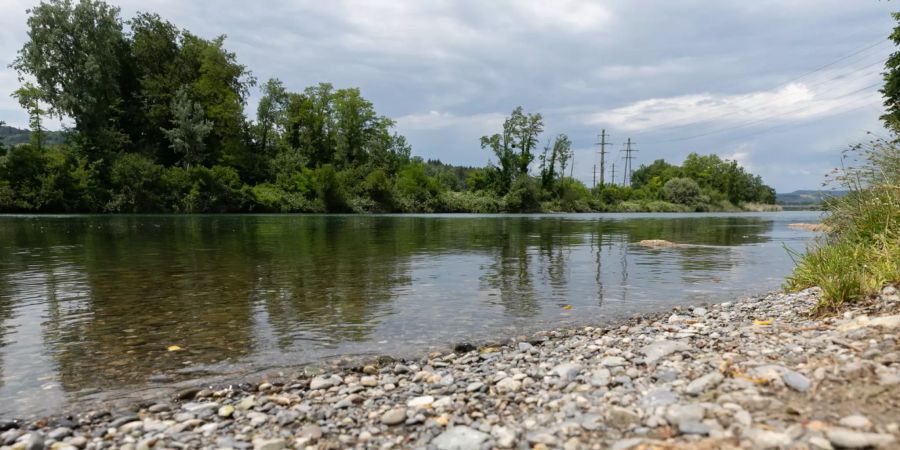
{"points": [[90, 305]]}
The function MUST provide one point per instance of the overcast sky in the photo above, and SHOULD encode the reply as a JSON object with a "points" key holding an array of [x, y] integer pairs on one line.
{"points": [[742, 79]]}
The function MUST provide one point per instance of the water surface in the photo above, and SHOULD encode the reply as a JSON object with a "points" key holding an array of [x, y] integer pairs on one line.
{"points": [[89, 304]]}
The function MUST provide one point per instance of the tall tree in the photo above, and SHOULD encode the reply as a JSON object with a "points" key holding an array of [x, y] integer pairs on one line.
{"points": [[891, 89], [555, 155], [29, 98], [514, 147], [75, 53], [270, 114], [189, 130], [159, 72]]}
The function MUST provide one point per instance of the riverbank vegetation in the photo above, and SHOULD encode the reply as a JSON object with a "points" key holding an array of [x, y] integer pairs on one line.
{"points": [[860, 254], [159, 125]]}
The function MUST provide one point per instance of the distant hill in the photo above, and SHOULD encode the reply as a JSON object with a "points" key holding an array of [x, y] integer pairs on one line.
{"points": [[16, 136], [806, 197]]}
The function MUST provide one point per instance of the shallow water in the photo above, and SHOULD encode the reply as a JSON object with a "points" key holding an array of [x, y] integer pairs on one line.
{"points": [[90, 304]]}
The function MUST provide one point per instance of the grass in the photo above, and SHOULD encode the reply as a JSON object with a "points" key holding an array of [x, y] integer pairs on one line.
{"points": [[860, 253]]}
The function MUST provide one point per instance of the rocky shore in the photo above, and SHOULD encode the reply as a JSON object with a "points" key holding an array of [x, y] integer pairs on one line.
{"points": [[757, 373]]}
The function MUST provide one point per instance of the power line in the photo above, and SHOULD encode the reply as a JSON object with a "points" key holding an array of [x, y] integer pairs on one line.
{"points": [[746, 124], [664, 125]]}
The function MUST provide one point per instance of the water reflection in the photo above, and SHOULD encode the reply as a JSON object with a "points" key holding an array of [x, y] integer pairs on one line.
{"points": [[91, 303]]}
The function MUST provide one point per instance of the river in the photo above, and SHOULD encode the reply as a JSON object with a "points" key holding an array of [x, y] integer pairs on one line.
{"points": [[102, 307]]}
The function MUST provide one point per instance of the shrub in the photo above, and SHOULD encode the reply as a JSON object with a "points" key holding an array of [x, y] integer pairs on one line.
{"points": [[137, 185], [684, 191], [523, 196]]}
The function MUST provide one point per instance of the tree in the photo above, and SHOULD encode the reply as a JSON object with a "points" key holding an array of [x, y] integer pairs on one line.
{"points": [[560, 152], [514, 147], [29, 98], [159, 71], [2, 144], [189, 130], [270, 114], [891, 89], [75, 54]]}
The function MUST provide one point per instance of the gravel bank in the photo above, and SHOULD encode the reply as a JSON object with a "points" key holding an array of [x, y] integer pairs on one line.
{"points": [[758, 373]]}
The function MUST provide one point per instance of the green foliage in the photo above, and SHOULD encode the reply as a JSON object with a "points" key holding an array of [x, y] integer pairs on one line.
{"points": [[859, 253], [49, 180], [160, 127], [75, 52], [416, 191], [189, 130], [136, 184], [523, 196], [683, 191], [891, 88], [514, 148]]}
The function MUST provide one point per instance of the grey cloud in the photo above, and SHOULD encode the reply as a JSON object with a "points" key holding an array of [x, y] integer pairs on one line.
{"points": [[469, 63]]}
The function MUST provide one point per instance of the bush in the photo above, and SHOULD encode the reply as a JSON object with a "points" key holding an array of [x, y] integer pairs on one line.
{"points": [[474, 202], [377, 187], [415, 191], [684, 191], [137, 185], [53, 179], [217, 189], [328, 189], [523, 196]]}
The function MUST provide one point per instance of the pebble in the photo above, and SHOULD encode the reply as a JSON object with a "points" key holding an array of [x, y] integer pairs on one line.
{"points": [[856, 421], [420, 402], [796, 381], [567, 371], [394, 416], [226, 411], [844, 438], [620, 417], [459, 438], [704, 383], [508, 385], [270, 444]]}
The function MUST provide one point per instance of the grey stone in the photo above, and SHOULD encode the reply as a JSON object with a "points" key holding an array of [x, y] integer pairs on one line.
{"points": [[567, 371], [270, 444], [856, 421], [59, 433], [612, 361], [660, 349], [394, 416], [505, 437], [763, 439], [693, 427], [324, 382], [659, 397], [704, 383], [622, 418], [842, 437], [796, 381], [459, 438], [35, 441], [476, 386]]}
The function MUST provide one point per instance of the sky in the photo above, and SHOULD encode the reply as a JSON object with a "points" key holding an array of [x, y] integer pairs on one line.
{"points": [[781, 87]]}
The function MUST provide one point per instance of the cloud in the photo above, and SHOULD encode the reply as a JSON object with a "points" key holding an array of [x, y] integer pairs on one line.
{"points": [[790, 102], [656, 70]]}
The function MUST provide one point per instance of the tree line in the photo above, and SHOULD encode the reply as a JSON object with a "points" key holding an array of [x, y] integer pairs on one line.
{"points": [[159, 125]]}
